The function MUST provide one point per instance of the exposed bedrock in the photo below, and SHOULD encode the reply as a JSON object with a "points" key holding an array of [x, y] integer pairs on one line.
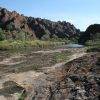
{"points": [[77, 80]]}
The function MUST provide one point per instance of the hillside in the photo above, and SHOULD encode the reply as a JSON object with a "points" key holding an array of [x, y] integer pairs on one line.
{"points": [[92, 33], [16, 26]]}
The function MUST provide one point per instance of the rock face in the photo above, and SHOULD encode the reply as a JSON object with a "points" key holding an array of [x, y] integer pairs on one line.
{"points": [[13, 23]]}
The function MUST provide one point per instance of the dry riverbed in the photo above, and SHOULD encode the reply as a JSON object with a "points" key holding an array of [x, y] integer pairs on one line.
{"points": [[19, 71]]}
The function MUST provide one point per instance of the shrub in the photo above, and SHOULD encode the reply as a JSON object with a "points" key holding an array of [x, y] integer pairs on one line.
{"points": [[2, 36], [21, 36]]}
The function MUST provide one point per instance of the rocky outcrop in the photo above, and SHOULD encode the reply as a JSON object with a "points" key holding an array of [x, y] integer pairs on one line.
{"points": [[92, 32], [13, 23], [76, 80], [45, 28]]}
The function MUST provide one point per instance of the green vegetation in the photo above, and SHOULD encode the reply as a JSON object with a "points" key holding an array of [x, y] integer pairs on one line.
{"points": [[2, 35], [94, 44], [26, 44], [65, 40], [63, 56], [22, 96]]}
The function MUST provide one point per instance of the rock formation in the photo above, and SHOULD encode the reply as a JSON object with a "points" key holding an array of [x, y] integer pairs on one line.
{"points": [[90, 33], [15, 24], [76, 80]]}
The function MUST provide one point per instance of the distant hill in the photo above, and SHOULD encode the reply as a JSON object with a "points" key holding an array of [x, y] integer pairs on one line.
{"points": [[92, 33], [17, 26]]}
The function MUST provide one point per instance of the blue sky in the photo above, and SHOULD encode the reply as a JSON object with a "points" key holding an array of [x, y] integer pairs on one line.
{"points": [[81, 13]]}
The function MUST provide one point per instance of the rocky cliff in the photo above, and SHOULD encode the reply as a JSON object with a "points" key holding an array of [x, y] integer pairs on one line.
{"points": [[14, 24]]}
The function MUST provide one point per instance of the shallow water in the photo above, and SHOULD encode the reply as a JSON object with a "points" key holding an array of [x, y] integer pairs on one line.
{"points": [[75, 46]]}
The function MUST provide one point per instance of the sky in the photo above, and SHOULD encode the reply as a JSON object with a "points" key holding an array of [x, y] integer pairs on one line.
{"points": [[81, 13]]}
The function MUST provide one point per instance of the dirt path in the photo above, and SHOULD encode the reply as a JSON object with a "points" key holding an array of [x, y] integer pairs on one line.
{"points": [[51, 51]]}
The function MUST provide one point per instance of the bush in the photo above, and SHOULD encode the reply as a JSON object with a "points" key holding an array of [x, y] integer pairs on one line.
{"points": [[2, 36], [21, 36]]}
